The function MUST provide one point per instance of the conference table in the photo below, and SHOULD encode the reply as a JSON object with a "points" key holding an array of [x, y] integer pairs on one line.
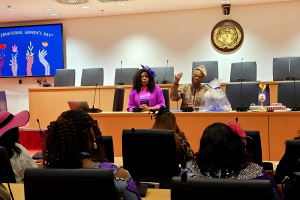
{"points": [[46, 104], [153, 194]]}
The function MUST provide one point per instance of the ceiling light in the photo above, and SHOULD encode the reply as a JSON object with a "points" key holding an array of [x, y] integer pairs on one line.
{"points": [[224, 1], [127, 9], [170, 0], [85, 7], [53, 14], [48, 9], [120, 4], [9, 8]]}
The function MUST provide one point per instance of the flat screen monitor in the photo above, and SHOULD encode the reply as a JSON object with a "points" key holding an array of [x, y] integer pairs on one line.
{"points": [[31, 50]]}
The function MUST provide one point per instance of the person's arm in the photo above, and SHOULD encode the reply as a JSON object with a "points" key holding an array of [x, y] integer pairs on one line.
{"points": [[28, 162], [276, 192], [284, 168], [131, 104], [175, 94]]}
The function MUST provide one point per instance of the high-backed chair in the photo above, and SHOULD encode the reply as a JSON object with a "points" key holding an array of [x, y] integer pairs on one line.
{"points": [[248, 72], [138, 150], [62, 184], [211, 68], [287, 95], [6, 171], [249, 94], [119, 99], [281, 68], [92, 76], [218, 188], [164, 75], [109, 148], [64, 78], [254, 145], [167, 97], [125, 74]]}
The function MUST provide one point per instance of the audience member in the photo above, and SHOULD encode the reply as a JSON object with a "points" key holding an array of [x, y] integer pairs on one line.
{"points": [[166, 120], [74, 140], [20, 158], [222, 154]]}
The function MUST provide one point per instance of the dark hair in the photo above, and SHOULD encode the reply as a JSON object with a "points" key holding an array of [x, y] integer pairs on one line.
{"points": [[136, 80], [9, 140], [69, 136], [221, 149]]}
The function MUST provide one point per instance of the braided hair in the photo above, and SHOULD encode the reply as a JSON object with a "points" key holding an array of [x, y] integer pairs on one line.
{"points": [[73, 133]]}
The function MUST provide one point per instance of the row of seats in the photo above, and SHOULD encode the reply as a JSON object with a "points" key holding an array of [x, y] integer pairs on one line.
{"points": [[93, 76]]}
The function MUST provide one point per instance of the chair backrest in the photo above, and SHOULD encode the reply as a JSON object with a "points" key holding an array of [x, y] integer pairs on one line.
{"points": [[6, 172], [119, 99], [145, 150], [211, 68], [254, 145], [163, 73], [286, 93], [249, 71], [127, 75], [109, 148], [250, 94], [218, 188], [281, 68], [292, 153], [92, 76], [62, 184], [167, 97], [64, 78]]}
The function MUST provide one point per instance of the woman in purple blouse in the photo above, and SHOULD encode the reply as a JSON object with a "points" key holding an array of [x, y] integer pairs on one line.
{"points": [[145, 94]]}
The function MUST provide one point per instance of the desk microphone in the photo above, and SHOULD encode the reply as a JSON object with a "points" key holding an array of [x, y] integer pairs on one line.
{"points": [[295, 108], [41, 133], [121, 82], [95, 110], [241, 108], [164, 81]]}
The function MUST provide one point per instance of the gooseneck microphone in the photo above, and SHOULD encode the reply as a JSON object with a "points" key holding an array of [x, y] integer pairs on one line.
{"points": [[94, 97], [241, 108], [38, 121], [121, 82], [164, 81]]}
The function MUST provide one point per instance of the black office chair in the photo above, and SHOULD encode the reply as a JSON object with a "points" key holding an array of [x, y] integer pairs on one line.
{"points": [[286, 94], [218, 188], [250, 94], [150, 155], [109, 148], [119, 99], [249, 71], [6, 172], [164, 75], [125, 74], [167, 97], [64, 78], [292, 187], [62, 184], [281, 68], [92, 76], [211, 68]]}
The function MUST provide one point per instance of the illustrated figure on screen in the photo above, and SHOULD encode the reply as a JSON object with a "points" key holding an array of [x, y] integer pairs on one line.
{"points": [[42, 55], [13, 61], [29, 58], [2, 47]]}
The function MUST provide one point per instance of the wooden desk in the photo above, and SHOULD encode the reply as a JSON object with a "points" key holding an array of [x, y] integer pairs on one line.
{"points": [[153, 194]]}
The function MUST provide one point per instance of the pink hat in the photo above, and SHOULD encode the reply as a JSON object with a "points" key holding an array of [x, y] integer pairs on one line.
{"points": [[9, 121]]}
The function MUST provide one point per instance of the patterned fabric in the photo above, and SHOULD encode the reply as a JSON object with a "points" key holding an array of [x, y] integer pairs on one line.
{"points": [[189, 94], [186, 148], [125, 188], [253, 171], [202, 69]]}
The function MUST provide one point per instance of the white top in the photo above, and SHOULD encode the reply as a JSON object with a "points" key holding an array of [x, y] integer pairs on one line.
{"points": [[21, 162]]}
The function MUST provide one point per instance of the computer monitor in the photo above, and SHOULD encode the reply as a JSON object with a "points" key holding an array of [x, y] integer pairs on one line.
{"points": [[119, 99], [75, 184], [127, 74], [79, 105], [164, 74], [248, 72]]}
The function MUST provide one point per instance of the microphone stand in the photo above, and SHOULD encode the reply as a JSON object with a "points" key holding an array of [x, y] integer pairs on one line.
{"points": [[95, 110], [121, 82], [295, 108], [241, 108], [164, 81]]}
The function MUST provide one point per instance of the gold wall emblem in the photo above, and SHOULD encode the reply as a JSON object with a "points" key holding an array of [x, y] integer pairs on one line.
{"points": [[227, 35]]}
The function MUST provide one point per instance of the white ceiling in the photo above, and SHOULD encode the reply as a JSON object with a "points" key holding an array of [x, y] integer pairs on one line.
{"points": [[29, 10]]}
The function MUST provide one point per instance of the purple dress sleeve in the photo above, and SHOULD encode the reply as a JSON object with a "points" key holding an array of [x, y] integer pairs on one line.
{"points": [[131, 102], [160, 98], [266, 176]]}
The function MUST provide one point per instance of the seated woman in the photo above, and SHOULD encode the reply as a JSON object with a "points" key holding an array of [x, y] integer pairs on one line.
{"points": [[74, 140], [222, 155], [286, 165], [145, 94], [20, 158], [166, 120]]}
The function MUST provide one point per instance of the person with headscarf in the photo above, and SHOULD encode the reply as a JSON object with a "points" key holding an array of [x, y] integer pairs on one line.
{"points": [[191, 93]]}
